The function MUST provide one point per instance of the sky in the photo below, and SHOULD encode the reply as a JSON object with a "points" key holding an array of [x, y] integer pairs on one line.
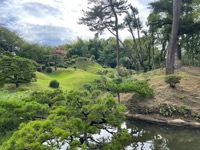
{"points": [[53, 22]]}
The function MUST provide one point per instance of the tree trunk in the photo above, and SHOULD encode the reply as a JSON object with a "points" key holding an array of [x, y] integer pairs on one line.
{"points": [[16, 84], [117, 34], [118, 97], [173, 44]]}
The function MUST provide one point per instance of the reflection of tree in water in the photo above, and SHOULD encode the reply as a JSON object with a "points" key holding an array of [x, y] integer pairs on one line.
{"points": [[153, 137]]}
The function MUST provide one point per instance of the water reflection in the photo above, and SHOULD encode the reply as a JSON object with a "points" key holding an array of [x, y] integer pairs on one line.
{"points": [[147, 136]]}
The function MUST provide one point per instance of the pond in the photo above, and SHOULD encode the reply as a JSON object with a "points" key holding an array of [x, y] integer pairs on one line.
{"points": [[146, 136]]}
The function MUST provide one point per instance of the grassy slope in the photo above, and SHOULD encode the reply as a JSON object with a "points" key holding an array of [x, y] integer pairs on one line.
{"points": [[68, 78], [187, 93]]}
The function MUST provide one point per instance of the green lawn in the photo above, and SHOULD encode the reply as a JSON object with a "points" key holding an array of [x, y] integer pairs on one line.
{"points": [[89, 66], [68, 78]]}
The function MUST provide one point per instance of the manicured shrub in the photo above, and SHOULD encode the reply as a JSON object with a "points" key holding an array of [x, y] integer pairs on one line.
{"points": [[47, 64], [87, 87], [123, 72], [73, 61], [44, 68], [54, 84], [51, 63], [39, 69], [172, 80], [49, 70]]}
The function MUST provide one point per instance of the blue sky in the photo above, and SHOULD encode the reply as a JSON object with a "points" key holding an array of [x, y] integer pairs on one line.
{"points": [[52, 22]]}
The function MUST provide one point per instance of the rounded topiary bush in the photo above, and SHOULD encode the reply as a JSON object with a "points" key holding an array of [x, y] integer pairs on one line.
{"points": [[44, 68], [54, 84], [47, 64], [49, 70], [39, 69], [172, 80]]}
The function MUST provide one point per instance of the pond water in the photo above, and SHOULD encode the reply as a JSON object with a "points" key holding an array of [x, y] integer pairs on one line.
{"points": [[146, 136]]}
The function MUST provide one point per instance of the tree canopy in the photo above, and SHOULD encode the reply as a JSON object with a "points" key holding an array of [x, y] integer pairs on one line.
{"points": [[15, 69], [73, 120]]}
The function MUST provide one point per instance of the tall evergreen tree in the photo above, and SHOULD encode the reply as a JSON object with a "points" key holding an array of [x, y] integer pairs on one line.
{"points": [[104, 14]]}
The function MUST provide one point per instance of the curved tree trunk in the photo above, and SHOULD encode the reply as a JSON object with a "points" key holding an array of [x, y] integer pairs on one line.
{"points": [[173, 43]]}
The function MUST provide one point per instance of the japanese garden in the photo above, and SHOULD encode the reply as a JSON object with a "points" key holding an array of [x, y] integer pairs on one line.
{"points": [[114, 93]]}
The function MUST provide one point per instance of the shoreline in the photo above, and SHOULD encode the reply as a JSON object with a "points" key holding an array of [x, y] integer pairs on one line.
{"points": [[164, 121]]}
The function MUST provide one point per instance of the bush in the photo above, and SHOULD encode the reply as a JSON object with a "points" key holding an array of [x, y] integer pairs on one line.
{"points": [[172, 80], [49, 70], [54, 84], [47, 64], [102, 72], [1, 83], [44, 68], [123, 72], [39, 69], [87, 87], [117, 80], [51, 63]]}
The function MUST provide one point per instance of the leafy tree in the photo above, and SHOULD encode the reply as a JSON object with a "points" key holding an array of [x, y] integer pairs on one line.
{"points": [[105, 15], [132, 21], [107, 54], [160, 22], [35, 52], [15, 69], [9, 41], [79, 48], [56, 59]]}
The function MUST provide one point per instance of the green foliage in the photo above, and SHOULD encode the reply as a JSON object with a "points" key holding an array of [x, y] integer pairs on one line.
{"points": [[54, 84], [43, 68], [48, 119], [15, 110], [102, 72], [123, 72], [117, 80], [55, 59], [49, 70], [15, 69], [47, 64], [87, 87], [169, 110], [172, 80], [39, 69], [140, 87]]}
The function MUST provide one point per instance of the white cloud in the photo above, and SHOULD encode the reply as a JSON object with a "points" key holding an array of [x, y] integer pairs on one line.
{"points": [[50, 21]]}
